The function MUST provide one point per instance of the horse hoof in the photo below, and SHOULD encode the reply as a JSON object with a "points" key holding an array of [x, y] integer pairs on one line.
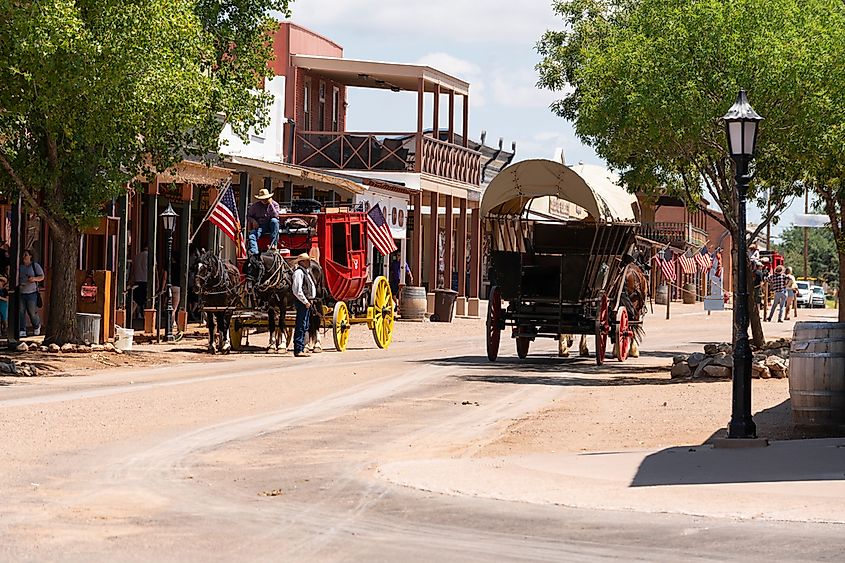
{"points": [[318, 349], [226, 349], [212, 350]]}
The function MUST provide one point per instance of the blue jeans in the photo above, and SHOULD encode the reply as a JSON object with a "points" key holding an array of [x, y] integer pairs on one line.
{"points": [[30, 307], [780, 299], [272, 227], [302, 318]]}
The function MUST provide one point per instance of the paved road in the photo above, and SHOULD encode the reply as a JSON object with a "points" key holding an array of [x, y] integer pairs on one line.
{"points": [[276, 458]]}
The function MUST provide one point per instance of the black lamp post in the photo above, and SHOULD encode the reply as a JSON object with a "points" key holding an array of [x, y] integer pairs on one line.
{"points": [[168, 221], [741, 123]]}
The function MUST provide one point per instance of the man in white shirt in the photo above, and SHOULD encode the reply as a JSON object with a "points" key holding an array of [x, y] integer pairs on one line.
{"points": [[304, 291]]}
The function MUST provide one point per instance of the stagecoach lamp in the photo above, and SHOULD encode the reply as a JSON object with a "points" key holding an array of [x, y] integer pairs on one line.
{"points": [[168, 218], [741, 125]]}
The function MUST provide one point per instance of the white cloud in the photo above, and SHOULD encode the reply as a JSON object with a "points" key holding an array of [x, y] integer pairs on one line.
{"points": [[460, 68], [517, 88], [490, 21]]}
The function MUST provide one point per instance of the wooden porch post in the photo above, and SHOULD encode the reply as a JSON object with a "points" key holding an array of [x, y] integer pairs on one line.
{"points": [[152, 263], [122, 240], [474, 262], [447, 246], [451, 116], [184, 258], [417, 242], [245, 190], [466, 120], [420, 126], [435, 129], [433, 241], [462, 248]]}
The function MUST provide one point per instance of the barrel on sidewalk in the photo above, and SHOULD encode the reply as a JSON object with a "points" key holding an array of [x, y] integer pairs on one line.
{"points": [[412, 303], [817, 374]]}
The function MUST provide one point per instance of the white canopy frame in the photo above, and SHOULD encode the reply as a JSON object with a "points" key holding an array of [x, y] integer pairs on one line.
{"points": [[591, 187]]}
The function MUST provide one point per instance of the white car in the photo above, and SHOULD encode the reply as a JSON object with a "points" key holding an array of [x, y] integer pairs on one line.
{"points": [[804, 297], [818, 297]]}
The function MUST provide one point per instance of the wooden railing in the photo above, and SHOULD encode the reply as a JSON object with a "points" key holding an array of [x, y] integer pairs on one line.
{"points": [[388, 152], [674, 233]]}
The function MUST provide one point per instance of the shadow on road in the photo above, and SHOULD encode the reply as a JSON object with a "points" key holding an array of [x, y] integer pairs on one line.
{"points": [[791, 458]]}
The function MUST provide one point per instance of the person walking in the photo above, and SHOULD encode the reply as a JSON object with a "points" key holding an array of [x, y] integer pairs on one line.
{"points": [[396, 267], [139, 281], [777, 283], [791, 293], [304, 290], [29, 274], [263, 217]]}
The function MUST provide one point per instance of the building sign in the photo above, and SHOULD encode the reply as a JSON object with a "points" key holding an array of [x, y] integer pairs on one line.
{"points": [[394, 207]]}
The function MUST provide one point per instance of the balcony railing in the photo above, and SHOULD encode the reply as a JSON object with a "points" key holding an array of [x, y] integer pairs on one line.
{"points": [[678, 233], [387, 152]]}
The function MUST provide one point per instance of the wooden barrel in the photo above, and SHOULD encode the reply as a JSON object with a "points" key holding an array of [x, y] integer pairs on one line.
{"points": [[412, 303], [817, 374], [689, 293], [662, 295]]}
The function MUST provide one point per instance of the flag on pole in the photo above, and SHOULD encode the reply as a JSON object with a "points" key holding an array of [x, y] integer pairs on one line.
{"points": [[667, 267], [702, 258], [718, 272], [687, 263], [379, 232], [224, 214]]}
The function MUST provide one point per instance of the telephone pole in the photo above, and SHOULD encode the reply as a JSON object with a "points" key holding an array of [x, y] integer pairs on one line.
{"points": [[806, 242]]}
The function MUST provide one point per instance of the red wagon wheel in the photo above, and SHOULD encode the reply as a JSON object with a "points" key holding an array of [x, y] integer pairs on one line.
{"points": [[494, 319], [602, 330], [522, 345], [623, 333]]}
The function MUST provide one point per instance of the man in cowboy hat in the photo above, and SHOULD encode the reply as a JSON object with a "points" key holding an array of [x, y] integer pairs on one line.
{"points": [[263, 217], [304, 290], [777, 283]]}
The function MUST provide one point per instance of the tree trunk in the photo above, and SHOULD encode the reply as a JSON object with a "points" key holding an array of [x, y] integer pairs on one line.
{"points": [[758, 339], [61, 323]]}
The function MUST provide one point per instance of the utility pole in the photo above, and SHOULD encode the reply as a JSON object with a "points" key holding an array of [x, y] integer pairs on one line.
{"points": [[806, 242], [769, 224]]}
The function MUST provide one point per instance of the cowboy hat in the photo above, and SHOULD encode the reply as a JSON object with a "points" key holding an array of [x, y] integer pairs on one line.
{"points": [[264, 193], [301, 257]]}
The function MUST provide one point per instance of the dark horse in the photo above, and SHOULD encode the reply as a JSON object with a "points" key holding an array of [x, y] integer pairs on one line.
{"points": [[217, 283], [272, 286]]}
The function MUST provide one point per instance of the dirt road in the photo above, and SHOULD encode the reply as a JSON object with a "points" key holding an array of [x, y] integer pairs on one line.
{"points": [[258, 457]]}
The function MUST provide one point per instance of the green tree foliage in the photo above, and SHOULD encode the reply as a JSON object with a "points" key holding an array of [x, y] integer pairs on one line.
{"points": [[95, 93], [646, 82], [822, 255]]}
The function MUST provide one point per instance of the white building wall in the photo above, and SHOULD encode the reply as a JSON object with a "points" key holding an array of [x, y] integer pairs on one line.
{"points": [[267, 145]]}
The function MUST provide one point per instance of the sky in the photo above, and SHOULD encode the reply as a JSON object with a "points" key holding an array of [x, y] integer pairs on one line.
{"points": [[491, 44]]}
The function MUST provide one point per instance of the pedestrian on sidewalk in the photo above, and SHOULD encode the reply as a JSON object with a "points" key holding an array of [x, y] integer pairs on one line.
{"points": [[30, 274], [791, 293], [777, 283], [304, 290]]}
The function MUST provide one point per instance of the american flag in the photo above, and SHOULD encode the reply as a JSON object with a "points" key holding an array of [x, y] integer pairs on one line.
{"points": [[718, 272], [667, 267], [702, 258], [379, 232], [225, 216], [687, 263]]}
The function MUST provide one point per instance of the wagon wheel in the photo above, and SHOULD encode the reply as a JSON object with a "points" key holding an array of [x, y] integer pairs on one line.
{"points": [[522, 344], [494, 319], [340, 325], [623, 333], [602, 330], [383, 312]]}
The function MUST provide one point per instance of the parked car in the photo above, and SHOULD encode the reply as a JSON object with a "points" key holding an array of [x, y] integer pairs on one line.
{"points": [[804, 297], [818, 297]]}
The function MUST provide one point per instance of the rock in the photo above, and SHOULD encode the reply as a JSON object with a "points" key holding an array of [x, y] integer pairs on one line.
{"points": [[33, 346], [725, 348], [109, 347], [699, 370], [54, 348], [83, 349], [679, 359], [760, 371], [67, 348], [5, 368], [22, 347], [723, 360], [711, 349], [97, 348], [43, 349], [777, 366], [759, 358], [783, 353], [681, 370], [721, 372], [117, 351], [695, 359]]}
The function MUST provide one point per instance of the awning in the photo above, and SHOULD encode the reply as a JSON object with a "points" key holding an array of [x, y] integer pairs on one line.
{"points": [[305, 175], [591, 187]]}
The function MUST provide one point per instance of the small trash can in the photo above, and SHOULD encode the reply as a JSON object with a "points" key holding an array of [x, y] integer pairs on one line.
{"points": [[444, 305], [89, 327]]}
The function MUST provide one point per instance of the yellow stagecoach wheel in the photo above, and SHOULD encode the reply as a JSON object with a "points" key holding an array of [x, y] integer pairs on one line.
{"points": [[340, 325], [383, 312]]}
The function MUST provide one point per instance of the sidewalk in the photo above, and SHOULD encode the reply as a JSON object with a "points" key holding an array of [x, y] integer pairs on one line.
{"points": [[801, 481]]}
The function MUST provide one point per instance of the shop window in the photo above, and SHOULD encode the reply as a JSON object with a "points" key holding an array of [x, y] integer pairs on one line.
{"points": [[336, 109], [307, 106], [321, 108]]}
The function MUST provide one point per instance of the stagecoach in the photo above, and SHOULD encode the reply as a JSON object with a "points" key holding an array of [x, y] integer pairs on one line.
{"points": [[337, 239], [560, 239]]}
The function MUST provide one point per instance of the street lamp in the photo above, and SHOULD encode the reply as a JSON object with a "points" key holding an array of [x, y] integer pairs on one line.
{"points": [[168, 222], [741, 125]]}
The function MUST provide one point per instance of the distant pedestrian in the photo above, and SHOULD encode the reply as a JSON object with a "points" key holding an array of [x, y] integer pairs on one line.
{"points": [[4, 304], [777, 283], [139, 282], [791, 293], [304, 290], [396, 267], [30, 274]]}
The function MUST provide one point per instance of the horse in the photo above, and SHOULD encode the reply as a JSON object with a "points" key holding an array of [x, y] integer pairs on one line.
{"points": [[217, 283], [634, 298], [272, 279]]}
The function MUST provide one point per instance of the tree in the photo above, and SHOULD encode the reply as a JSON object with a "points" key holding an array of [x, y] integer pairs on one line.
{"points": [[95, 93], [646, 82], [822, 259]]}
